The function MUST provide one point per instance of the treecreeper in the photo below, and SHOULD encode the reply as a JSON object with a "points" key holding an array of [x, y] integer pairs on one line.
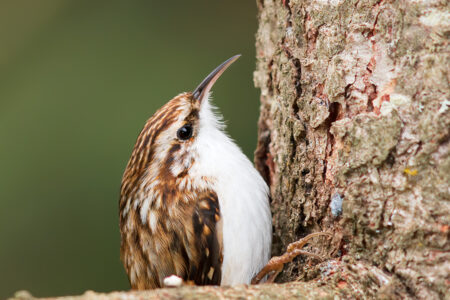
{"points": [[192, 204]]}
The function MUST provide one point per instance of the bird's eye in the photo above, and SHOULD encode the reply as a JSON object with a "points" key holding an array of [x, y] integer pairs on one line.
{"points": [[185, 132]]}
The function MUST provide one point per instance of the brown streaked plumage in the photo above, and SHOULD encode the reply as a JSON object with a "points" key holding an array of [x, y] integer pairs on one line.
{"points": [[179, 229], [192, 204]]}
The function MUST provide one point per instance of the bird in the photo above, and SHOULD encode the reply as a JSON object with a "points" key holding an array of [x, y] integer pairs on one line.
{"points": [[191, 203]]}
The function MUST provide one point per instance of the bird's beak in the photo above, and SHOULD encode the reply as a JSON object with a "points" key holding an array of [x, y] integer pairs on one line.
{"points": [[203, 88]]}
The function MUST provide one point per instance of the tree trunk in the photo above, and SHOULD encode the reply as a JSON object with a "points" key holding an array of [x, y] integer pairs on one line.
{"points": [[354, 139]]}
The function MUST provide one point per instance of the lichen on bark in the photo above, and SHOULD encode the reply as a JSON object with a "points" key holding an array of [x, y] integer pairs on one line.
{"points": [[354, 105]]}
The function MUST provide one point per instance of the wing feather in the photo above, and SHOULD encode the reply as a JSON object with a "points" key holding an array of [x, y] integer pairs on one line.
{"points": [[187, 243], [206, 268]]}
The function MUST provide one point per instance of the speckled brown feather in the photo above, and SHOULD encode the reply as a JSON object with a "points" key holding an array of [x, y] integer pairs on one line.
{"points": [[181, 233]]}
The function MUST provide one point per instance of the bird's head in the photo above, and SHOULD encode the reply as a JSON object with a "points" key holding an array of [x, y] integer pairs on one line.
{"points": [[168, 145]]}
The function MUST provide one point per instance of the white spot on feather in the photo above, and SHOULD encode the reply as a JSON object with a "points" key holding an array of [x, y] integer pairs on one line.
{"points": [[127, 208], [144, 210], [158, 201], [153, 219]]}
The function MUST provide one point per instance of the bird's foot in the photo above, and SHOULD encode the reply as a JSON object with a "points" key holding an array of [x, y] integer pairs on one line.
{"points": [[276, 263]]}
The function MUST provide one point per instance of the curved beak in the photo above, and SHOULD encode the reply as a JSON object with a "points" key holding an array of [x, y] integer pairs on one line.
{"points": [[203, 88]]}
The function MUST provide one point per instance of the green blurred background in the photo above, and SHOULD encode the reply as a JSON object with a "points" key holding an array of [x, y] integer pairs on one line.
{"points": [[78, 79]]}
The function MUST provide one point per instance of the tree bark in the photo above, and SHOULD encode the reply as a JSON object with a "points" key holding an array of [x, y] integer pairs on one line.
{"points": [[354, 139], [293, 290]]}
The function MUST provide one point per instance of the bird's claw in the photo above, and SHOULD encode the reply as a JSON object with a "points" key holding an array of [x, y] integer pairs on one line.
{"points": [[276, 263]]}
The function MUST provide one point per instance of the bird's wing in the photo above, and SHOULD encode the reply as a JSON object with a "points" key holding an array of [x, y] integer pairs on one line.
{"points": [[204, 263], [185, 240]]}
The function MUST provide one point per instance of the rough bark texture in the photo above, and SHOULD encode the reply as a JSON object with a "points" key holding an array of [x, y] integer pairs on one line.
{"points": [[297, 290], [355, 115]]}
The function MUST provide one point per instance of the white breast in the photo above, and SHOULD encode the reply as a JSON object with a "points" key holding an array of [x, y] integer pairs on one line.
{"points": [[243, 200]]}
